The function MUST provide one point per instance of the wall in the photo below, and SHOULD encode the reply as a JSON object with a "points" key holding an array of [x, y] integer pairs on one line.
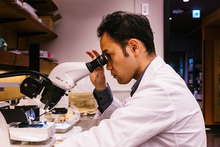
{"points": [[77, 28]]}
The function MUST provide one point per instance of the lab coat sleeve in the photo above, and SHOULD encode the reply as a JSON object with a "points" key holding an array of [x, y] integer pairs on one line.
{"points": [[108, 112], [107, 104], [103, 98], [144, 115]]}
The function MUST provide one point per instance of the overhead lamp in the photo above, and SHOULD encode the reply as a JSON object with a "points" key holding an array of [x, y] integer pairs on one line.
{"points": [[185, 0]]}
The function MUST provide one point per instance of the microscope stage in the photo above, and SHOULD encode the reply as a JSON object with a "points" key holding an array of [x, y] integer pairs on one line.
{"points": [[32, 134]]}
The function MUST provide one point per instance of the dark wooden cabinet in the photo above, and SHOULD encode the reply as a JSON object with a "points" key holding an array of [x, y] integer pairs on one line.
{"points": [[211, 68]]}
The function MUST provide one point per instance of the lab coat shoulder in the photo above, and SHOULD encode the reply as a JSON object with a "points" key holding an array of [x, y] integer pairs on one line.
{"points": [[187, 119]]}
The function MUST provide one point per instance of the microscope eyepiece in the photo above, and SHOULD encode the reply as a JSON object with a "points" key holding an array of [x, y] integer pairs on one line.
{"points": [[98, 62]]}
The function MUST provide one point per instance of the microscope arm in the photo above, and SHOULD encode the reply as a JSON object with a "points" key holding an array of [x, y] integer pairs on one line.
{"points": [[66, 75]]}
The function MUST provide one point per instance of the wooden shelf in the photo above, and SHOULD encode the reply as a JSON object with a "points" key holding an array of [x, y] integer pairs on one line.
{"points": [[42, 4], [22, 60], [16, 18], [46, 66], [7, 58], [12, 59]]}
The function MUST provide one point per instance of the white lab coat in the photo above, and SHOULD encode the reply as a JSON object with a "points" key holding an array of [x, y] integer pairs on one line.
{"points": [[161, 113]]}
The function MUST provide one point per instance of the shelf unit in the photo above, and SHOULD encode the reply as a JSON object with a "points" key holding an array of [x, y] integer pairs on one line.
{"points": [[16, 24], [22, 62]]}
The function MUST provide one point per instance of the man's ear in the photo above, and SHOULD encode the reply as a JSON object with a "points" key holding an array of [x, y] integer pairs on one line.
{"points": [[134, 45]]}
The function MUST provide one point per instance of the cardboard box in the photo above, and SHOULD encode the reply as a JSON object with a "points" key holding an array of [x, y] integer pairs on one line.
{"points": [[49, 23]]}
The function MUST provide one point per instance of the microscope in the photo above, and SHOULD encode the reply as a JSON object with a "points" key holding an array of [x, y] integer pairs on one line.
{"points": [[16, 128]]}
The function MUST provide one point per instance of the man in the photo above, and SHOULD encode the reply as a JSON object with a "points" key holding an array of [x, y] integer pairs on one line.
{"points": [[161, 111]]}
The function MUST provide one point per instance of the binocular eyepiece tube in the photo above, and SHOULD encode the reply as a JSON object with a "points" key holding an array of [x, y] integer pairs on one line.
{"points": [[98, 62]]}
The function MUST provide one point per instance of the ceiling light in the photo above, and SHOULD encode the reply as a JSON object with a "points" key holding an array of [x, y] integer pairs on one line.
{"points": [[185, 0]]}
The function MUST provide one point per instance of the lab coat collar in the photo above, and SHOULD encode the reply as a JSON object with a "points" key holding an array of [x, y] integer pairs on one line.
{"points": [[136, 84], [154, 66]]}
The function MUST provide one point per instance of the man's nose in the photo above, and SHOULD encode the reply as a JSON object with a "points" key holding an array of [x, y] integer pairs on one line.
{"points": [[109, 65]]}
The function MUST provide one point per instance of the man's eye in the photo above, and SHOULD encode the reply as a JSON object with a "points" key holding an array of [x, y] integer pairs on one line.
{"points": [[108, 55]]}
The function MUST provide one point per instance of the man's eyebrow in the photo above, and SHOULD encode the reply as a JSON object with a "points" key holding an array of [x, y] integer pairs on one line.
{"points": [[104, 51]]}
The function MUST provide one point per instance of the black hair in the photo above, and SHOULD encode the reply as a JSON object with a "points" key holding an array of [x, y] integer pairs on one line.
{"points": [[122, 26]]}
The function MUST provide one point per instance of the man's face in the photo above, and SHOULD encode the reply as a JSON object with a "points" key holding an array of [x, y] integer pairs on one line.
{"points": [[122, 68]]}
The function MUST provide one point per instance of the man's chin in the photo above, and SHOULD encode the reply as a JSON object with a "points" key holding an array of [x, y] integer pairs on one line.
{"points": [[122, 81]]}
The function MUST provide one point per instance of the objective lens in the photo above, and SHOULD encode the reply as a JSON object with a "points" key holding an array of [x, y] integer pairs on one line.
{"points": [[98, 62]]}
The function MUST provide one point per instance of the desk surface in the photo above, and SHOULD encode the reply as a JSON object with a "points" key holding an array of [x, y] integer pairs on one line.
{"points": [[85, 122]]}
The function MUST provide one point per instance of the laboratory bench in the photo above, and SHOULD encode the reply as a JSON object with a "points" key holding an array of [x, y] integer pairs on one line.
{"points": [[85, 122]]}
